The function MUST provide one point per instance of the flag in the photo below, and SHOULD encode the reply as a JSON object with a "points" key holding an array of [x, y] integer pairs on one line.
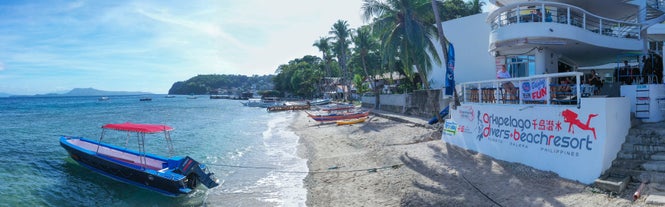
{"points": [[450, 70]]}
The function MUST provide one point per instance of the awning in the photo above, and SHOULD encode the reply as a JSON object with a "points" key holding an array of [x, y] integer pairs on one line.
{"points": [[143, 128]]}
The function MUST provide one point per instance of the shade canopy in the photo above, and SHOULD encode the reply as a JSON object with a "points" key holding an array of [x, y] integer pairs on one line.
{"points": [[143, 128]]}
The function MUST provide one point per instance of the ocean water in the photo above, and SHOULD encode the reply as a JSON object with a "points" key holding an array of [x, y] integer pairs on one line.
{"points": [[251, 151]]}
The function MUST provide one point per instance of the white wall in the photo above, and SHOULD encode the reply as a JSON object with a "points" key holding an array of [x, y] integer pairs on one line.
{"points": [[578, 144], [470, 37]]}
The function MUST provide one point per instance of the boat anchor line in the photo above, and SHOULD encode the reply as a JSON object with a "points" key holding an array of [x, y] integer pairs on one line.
{"points": [[330, 169]]}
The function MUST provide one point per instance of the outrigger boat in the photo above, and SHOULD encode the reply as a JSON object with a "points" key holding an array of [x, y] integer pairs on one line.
{"points": [[337, 117], [337, 107], [170, 176]]}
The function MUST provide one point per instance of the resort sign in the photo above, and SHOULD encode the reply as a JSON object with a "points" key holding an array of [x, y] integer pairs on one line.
{"points": [[555, 138]]}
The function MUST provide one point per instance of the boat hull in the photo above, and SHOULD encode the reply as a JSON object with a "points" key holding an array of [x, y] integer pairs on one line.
{"points": [[337, 117], [352, 121], [167, 183]]}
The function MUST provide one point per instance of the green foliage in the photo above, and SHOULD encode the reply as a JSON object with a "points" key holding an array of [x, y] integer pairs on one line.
{"points": [[398, 38], [406, 28], [361, 85], [301, 77], [453, 9], [204, 84], [270, 93]]}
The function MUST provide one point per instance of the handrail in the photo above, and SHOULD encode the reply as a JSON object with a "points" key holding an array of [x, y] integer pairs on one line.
{"points": [[566, 14], [551, 92]]}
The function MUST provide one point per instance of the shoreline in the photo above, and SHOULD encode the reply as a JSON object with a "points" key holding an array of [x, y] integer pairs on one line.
{"points": [[384, 162]]}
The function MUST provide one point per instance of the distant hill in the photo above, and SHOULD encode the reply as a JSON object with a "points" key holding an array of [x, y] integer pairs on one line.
{"points": [[93, 92], [216, 84], [5, 95]]}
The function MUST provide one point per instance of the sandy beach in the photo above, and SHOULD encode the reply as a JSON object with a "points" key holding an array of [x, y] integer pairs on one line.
{"points": [[384, 162]]}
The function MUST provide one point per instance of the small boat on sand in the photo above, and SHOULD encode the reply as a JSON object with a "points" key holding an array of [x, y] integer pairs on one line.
{"points": [[351, 121], [336, 117], [171, 176]]}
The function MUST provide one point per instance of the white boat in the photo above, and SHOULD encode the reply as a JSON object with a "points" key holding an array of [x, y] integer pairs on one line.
{"points": [[540, 124], [317, 102], [263, 103], [103, 98]]}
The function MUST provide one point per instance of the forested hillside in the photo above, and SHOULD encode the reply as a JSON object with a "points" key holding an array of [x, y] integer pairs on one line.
{"points": [[222, 84]]}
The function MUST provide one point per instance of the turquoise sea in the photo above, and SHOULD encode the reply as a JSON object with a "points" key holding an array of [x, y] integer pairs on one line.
{"points": [[36, 170]]}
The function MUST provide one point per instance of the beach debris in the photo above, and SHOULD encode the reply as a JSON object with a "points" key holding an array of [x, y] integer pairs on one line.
{"points": [[638, 192], [334, 167]]}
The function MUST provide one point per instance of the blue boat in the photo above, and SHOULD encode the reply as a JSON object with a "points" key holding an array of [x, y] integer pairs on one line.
{"points": [[172, 176]]}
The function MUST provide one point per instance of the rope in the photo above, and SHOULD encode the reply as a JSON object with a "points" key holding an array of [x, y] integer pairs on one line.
{"points": [[481, 192], [332, 169]]}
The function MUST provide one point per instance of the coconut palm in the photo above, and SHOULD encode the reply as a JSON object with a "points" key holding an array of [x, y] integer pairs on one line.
{"points": [[323, 44], [406, 28], [365, 44], [341, 34]]}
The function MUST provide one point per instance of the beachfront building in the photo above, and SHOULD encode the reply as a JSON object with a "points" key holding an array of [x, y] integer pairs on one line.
{"points": [[557, 82]]}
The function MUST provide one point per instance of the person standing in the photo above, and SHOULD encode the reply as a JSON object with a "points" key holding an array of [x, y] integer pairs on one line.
{"points": [[508, 86], [595, 81]]}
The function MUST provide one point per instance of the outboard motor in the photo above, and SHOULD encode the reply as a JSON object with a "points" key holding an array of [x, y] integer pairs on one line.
{"points": [[189, 166]]}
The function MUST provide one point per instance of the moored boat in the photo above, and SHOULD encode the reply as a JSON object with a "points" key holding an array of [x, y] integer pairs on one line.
{"points": [[171, 176], [288, 108], [263, 103]]}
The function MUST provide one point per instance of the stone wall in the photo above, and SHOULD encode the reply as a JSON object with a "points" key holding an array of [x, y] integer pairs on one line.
{"points": [[422, 103]]}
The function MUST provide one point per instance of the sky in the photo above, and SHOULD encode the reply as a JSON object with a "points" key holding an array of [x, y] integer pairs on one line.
{"points": [[53, 46], [129, 45]]}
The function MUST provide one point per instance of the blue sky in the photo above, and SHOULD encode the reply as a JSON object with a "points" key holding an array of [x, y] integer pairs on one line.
{"points": [[125, 45]]}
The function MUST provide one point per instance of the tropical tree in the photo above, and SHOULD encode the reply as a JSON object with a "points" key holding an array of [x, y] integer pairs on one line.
{"points": [[299, 77], [323, 44], [406, 28], [367, 46], [341, 34], [359, 82]]}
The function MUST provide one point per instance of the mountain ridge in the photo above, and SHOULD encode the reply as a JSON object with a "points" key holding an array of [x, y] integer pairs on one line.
{"points": [[88, 92]]}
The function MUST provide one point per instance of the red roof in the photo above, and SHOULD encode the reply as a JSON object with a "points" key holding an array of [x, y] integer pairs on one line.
{"points": [[144, 128]]}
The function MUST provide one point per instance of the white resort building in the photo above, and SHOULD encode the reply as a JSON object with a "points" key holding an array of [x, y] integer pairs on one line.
{"points": [[581, 74]]}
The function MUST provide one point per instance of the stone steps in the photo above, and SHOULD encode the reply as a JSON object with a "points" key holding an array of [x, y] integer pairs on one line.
{"points": [[641, 158]]}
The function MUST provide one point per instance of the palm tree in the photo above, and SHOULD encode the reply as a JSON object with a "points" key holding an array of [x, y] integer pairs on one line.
{"points": [[323, 44], [406, 28], [365, 43], [341, 33]]}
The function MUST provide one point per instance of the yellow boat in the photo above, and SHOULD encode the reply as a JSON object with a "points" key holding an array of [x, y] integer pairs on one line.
{"points": [[351, 121]]}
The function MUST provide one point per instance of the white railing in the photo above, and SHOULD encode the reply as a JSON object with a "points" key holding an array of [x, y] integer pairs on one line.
{"points": [[656, 4], [549, 89], [559, 13]]}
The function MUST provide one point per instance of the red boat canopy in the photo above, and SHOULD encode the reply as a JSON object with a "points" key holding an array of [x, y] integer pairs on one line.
{"points": [[143, 128]]}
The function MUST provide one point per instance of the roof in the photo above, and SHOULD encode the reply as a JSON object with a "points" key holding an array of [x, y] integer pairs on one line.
{"points": [[143, 128]]}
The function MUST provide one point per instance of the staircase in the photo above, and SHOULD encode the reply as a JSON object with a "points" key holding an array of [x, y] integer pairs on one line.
{"points": [[655, 12], [641, 158]]}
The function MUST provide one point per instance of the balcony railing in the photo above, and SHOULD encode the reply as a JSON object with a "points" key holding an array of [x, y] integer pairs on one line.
{"points": [[548, 89], [559, 13]]}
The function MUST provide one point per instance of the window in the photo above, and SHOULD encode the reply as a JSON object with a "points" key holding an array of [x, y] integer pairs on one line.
{"points": [[521, 66]]}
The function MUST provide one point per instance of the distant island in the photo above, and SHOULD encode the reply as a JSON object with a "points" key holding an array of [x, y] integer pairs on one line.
{"points": [[89, 92]]}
